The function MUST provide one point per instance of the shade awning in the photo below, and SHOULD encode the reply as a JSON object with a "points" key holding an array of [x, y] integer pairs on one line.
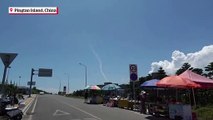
{"points": [[111, 87], [203, 81], [150, 83], [93, 87], [177, 82]]}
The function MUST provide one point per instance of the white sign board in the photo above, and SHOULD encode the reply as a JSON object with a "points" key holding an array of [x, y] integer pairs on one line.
{"points": [[181, 110], [33, 83]]}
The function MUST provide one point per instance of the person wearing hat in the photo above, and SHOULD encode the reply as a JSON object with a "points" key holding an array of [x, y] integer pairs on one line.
{"points": [[142, 102]]}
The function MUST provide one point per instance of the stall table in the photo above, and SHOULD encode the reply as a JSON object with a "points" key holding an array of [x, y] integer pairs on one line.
{"points": [[157, 109]]}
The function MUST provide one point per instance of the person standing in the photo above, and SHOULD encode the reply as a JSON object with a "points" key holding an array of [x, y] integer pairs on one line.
{"points": [[142, 102]]}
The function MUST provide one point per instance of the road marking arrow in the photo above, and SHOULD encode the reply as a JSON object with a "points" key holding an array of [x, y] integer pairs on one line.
{"points": [[60, 112]]}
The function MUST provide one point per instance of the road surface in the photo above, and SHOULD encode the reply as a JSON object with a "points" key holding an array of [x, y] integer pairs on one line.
{"points": [[54, 107]]}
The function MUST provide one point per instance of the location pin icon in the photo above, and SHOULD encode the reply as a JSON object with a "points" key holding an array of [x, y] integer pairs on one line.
{"points": [[11, 9]]}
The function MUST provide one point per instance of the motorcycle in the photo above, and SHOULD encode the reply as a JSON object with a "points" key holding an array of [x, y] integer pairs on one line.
{"points": [[13, 113]]}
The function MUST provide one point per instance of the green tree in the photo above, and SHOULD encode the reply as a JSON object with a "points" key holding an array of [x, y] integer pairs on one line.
{"points": [[209, 69], [142, 80], [161, 73], [186, 66], [197, 71], [148, 77]]}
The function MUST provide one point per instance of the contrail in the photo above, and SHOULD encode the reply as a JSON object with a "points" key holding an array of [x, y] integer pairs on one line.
{"points": [[99, 62]]}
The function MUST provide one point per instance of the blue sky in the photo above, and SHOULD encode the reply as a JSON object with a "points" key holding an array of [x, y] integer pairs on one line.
{"points": [[116, 32]]}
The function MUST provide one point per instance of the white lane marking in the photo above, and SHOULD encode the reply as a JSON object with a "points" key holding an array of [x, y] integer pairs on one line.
{"points": [[33, 110], [83, 111], [27, 107], [60, 112], [90, 119]]}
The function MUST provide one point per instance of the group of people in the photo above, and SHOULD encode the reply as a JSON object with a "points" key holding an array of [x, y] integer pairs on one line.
{"points": [[14, 98]]}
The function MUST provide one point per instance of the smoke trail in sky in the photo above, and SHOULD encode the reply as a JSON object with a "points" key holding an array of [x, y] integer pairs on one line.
{"points": [[99, 62]]}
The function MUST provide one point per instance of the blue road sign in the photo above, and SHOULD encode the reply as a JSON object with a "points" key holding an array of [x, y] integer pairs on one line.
{"points": [[133, 72], [133, 76]]}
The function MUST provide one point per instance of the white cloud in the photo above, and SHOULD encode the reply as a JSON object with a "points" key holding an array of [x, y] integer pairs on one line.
{"points": [[198, 59]]}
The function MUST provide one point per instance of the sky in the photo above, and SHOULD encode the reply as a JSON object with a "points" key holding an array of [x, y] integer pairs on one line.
{"points": [[106, 36]]}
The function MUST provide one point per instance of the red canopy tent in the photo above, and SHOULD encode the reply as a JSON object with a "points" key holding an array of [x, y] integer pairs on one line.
{"points": [[177, 82], [201, 80]]}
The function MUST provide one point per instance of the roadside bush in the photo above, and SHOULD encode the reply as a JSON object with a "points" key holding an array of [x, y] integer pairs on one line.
{"points": [[204, 113]]}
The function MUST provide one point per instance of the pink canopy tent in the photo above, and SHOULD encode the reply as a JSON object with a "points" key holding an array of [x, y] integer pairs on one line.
{"points": [[201, 80]]}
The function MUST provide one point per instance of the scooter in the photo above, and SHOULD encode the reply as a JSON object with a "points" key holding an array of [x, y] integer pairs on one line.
{"points": [[9, 113]]}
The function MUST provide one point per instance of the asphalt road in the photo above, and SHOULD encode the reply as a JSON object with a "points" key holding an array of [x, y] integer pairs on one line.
{"points": [[54, 107]]}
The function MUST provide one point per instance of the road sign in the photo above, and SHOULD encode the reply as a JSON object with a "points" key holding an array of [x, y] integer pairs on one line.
{"points": [[42, 72], [33, 83], [133, 72], [65, 89], [7, 58]]}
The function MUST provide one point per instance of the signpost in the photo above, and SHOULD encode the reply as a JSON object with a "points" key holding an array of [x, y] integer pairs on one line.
{"points": [[133, 76], [7, 59], [65, 89], [133, 72], [42, 72]]}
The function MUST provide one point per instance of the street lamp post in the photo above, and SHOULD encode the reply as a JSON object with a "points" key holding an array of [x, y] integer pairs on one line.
{"points": [[85, 73], [19, 80]]}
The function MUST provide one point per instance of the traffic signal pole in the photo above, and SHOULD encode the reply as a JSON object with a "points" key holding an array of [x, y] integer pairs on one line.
{"points": [[31, 80]]}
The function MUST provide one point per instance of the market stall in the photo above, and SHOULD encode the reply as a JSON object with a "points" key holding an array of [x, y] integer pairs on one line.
{"points": [[92, 94], [110, 95], [178, 109], [154, 106]]}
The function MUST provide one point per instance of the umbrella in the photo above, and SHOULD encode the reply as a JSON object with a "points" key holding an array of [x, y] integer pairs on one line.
{"points": [[93, 87], [150, 83], [110, 87]]}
